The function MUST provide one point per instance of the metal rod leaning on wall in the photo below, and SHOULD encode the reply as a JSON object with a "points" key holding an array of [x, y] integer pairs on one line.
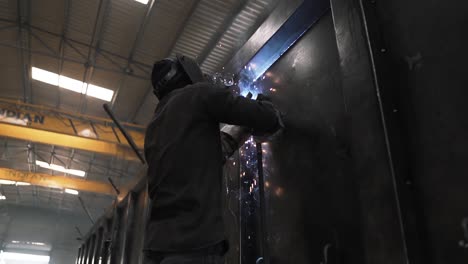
{"points": [[261, 184], [385, 130], [126, 135]]}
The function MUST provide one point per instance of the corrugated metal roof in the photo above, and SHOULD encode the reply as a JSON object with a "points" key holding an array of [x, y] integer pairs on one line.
{"points": [[121, 25], [8, 9], [203, 25], [243, 26], [164, 24], [81, 20]]}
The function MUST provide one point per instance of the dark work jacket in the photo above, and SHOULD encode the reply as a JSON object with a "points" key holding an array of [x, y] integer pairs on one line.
{"points": [[183, 152]]}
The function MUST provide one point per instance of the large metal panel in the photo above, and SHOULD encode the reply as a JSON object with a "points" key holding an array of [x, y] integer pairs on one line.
{"points": [[312, 209], [419, 54]]}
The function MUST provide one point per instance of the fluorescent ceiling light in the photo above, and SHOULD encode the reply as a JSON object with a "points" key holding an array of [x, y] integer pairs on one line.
{"points": [[7, 182], [24, 257], [72, 84], [23, 183], [60, 168], [71, 191], [100, 93], [142, 1], [28, 243], [45, 76]]}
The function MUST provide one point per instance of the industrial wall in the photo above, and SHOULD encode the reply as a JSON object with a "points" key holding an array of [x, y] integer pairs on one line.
{"points": [[56, 229], [425, 76], [312, 207]]}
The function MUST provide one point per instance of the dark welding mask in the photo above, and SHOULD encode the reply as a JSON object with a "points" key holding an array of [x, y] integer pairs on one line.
{"points": [[170, 74]]}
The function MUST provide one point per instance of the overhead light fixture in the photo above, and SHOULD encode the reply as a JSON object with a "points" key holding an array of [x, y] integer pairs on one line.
{"points": [[71, 84], [71, 191], [22, 184], [24, 258], [142, 1], [60, 168], [100, 92], [28, 243], [7, 182]]}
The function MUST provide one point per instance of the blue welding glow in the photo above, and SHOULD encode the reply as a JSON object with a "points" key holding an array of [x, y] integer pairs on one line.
{"points": [[306, 15], [251, 79]]}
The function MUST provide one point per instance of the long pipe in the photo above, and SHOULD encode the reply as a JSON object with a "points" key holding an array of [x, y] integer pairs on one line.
{"points": [[126, 135], [261, 184]]}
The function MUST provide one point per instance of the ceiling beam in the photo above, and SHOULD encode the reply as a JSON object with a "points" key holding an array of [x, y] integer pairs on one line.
{"points": [[98, 30], [71, 41], [173, 44], [136, 43], [24, 39], [60, 182], [67, 7], [47, 54], [64, 140], [227, 23]]}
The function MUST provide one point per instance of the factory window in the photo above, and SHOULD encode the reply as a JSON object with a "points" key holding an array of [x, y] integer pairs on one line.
{"points": [[71, 191], [72, 84], [142, 1], [59, 168], [21, 258]]}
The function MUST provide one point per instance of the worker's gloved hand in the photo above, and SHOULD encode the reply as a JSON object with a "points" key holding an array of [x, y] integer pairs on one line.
{"points": [[232, 138], [263, 137]]}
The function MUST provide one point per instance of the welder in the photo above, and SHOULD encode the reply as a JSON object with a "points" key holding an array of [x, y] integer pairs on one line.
{"points": [[185, 151]]}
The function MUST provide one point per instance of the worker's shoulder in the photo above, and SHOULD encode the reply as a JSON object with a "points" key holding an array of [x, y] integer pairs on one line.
{"points": [[199, 87], [195, 91]]}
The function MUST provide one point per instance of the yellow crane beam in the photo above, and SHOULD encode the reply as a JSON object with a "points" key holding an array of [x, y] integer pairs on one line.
{"points": [[65, 140], [51, 126], [60, 182]]}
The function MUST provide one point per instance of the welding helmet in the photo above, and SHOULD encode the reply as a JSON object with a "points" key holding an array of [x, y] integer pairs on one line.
{"points": [[170, 74]]}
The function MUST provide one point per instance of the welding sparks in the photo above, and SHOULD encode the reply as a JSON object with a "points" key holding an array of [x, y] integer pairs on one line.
{"points": [[279, 191]]}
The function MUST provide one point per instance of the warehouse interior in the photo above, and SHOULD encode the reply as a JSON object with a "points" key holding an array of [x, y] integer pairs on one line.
{"points": [[369, 168]]}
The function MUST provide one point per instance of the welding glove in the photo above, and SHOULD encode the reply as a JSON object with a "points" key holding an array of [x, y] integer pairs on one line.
{"points": [[232, 138], [263, 137]]}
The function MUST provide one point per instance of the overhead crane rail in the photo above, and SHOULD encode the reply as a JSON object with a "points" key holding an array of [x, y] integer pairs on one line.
{"points": [[47, 125]]}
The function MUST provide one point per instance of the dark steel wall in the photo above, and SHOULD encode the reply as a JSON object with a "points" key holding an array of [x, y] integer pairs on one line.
{"points": [[312, 208], [420, 50]]}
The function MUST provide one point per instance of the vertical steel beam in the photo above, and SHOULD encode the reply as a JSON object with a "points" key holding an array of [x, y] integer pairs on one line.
{"points": [[98, 246]]}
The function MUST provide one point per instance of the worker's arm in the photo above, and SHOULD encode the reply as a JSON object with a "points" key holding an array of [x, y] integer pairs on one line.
{"points": [[243, 116], [232, 138], [224, 107]]}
